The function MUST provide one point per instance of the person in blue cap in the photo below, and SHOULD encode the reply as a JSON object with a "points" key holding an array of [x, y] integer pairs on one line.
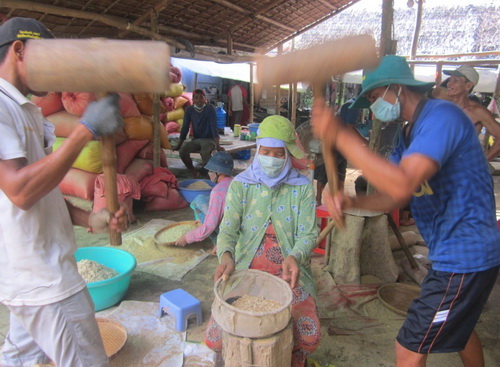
{"points": [[439, 167], [210, 209], [51, 312]]}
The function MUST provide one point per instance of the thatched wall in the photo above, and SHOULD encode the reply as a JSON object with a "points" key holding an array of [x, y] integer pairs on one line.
{"points": [[444, 30]]}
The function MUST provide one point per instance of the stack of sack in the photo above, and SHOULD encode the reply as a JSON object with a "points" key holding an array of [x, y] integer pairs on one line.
{"points": [[136, 177], [174, 102]]}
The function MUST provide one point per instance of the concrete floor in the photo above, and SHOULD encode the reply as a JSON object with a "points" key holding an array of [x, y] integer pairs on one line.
{"points": [[358, 350]]}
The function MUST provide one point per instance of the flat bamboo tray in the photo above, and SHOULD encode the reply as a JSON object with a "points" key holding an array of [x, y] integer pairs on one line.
{"points": [[113, 334], [397, 297], [161, 234]]}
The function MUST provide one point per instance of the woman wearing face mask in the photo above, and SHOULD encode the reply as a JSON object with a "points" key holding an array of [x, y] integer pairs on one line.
{"points": [[269, 224], [209, 210]]}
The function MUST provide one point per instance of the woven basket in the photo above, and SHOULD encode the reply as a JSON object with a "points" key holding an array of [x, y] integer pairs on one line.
{"points": [[162, 233], [113, 334], [397, 297]]}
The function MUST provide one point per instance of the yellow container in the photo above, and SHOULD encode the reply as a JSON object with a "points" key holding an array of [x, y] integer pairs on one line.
{"points": [[237, 130]]}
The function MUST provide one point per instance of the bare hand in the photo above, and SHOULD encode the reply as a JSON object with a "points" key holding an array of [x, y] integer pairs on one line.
{"points": [[102, 221], [336, 204], [225, 268], [182, 241], [291, 271]]}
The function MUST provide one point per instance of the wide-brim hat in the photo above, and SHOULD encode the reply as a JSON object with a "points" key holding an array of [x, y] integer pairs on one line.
{"points": [[391, 70], [22, 29], [221, 162], [279, 127]]}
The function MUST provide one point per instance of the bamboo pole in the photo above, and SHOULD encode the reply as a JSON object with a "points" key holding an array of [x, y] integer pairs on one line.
{"points": [[251, 92], [416, 33], [156, 108], [278, 87], [386, 27]]}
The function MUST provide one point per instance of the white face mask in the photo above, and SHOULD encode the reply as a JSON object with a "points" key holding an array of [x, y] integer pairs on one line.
{"points": [[385, 111], [271, 166]]}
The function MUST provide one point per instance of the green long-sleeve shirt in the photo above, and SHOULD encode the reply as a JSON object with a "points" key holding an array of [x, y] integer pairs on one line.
{"points": [[292, 211]]}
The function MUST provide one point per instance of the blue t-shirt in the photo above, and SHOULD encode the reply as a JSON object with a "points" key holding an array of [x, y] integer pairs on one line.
{"points": [[204, 123], [455, 209]]}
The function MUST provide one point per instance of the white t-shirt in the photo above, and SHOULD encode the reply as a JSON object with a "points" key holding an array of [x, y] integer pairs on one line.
{"points": [[236, 95], [37, 264]]}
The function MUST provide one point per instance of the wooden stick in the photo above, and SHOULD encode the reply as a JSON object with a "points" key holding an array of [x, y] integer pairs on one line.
{"points": [[108, 158], [401, 241], [325, 232]]}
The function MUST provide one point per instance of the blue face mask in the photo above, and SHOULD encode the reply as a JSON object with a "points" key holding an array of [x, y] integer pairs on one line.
{"points": [[385, 111], [271, 166]]}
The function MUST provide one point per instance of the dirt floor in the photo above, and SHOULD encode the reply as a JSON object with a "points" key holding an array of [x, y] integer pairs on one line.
{"points": [[357, 336]]}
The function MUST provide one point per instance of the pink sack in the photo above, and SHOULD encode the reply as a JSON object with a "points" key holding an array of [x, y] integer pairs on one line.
{"points": [[78, 183], [172, 127], [126, 152], [128, 107], [175, 74], [76, 102], [169, 103], [158, 184], [147, 153], [127, 191], [51, 103], [138, 169], [174, 201]]}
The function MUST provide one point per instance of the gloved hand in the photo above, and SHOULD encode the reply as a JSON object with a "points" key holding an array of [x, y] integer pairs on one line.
{"points": [[103, 117]]}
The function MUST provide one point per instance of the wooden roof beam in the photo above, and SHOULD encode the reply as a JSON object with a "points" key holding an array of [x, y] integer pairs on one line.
{"points": [[251, 15], [159, 6], [108, 20]]}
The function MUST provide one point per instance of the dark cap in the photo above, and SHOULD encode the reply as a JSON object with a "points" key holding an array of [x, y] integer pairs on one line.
{"points": [[22, 29]]}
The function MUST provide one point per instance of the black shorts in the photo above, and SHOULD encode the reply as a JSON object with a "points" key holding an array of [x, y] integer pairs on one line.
{"points": [[443, 317], [320, 171]]}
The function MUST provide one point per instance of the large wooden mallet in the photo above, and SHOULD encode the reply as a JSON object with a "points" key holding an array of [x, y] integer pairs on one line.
{"points": [[316, 65], [99, 66]]}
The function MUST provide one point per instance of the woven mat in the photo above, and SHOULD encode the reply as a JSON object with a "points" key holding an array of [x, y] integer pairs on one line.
{"points": [[170, 262]]}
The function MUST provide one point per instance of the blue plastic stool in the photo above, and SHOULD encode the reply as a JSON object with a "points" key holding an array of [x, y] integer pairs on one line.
{"points": [[181, 305]]}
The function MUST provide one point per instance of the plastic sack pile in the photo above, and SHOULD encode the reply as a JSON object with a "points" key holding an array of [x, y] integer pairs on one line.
{"points": [[136, 177]]}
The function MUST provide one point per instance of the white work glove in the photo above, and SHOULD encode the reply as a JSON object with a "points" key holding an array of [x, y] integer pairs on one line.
{"points": [[103, 117]]}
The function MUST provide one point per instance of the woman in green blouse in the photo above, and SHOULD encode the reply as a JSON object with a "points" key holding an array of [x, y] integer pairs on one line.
{"points": [[269, 224]]}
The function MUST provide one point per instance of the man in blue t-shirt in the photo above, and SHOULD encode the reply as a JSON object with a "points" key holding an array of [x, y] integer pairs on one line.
{"points": [[200, 121], [438, 165]]}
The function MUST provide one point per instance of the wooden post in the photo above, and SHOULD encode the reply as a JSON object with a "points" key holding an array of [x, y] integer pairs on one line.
{"points": [[156, 108], [416, 33], [251, 94], [278, 86], [273, 351], [229, 43], [386, 27], [386, 47], [439, 72], [293, 116]]}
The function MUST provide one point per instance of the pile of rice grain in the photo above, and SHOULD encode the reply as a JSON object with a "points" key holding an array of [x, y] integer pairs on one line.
{"points": [[198, 185], [174, 233], [255, 304], [92, 271]]}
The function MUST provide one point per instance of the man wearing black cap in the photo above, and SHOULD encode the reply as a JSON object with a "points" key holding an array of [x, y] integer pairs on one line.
{"points": [[438, 165], [51, 312], [461, 82]]}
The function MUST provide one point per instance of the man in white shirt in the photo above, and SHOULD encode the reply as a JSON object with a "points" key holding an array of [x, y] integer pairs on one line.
{"points": [[51, 313], [237, 102]]}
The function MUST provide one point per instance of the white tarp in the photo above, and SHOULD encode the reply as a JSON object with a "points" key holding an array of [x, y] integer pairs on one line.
{"points": [[241, 71], [236, 71]]}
